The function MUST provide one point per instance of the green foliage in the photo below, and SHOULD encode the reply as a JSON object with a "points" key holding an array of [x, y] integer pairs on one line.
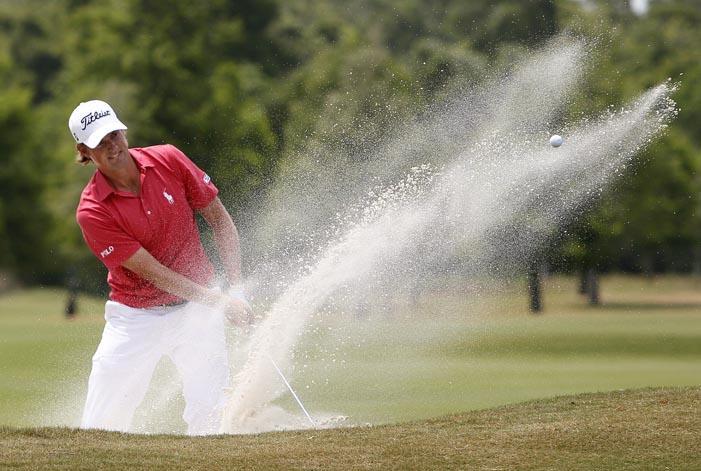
{"points": [[243, 87], [24, 221], [188, 78], [651, 220]]}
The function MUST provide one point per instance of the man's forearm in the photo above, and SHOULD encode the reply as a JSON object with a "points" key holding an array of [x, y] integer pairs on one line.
{"points": [[146, 266], [226, 238]]}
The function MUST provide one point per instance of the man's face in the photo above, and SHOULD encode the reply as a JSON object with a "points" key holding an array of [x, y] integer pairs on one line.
{"points": [[111, 153]]}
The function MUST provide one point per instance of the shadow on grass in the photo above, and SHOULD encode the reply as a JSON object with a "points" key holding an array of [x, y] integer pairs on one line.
{"points": [[656, 307]]}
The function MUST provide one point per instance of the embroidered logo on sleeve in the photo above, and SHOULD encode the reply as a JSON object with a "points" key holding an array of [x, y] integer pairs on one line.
{"points": [[206, 179], [168, 197], [107, 251]]}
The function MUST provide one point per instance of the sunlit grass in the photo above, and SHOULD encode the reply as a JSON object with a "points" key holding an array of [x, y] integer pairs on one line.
{"points": [[444, 354], [630, 430]]}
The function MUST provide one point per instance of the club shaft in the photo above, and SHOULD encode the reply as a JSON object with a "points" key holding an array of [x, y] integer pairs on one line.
{"points": [[279, 371]]}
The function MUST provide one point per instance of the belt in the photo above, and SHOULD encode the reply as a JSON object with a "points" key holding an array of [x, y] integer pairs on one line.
{"points": [[174, 303]]}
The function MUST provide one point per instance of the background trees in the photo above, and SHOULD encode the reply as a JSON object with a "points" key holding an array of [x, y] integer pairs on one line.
{"points": [[242, 86]]}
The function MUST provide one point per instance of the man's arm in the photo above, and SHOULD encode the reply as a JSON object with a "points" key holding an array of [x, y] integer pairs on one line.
{"points": [[146, 266], [226, 238]]}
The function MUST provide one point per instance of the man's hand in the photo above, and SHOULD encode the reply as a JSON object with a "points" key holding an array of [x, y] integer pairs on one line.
{"points": [[238, 312], [237, 309]]}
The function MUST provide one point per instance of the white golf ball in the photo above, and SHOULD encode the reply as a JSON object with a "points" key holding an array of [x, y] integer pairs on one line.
{"points": [[556, 140]]}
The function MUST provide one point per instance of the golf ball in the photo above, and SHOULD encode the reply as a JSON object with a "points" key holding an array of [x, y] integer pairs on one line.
{"points": [[556, 140]]}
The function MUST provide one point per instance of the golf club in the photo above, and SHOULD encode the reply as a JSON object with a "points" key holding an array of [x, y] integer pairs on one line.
{"points": [[292, 391]]}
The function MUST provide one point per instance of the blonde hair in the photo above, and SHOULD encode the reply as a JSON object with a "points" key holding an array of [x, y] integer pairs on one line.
{"points": [[81, 159]]}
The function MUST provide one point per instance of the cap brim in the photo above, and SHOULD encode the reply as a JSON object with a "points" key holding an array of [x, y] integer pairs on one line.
{"points": [[95, 138]]}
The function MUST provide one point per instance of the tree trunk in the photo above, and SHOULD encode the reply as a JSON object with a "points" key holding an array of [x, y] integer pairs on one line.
{"points": [[583, 280], [697, 261], [72, 284], [534, 292], [71, 304], [593, 287]]}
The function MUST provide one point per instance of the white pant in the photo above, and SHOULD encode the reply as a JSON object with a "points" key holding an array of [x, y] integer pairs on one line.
{"points": [[133, 342]]}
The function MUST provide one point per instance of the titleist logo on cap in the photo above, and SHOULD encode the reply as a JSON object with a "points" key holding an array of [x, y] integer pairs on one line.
{"points": [[92, 117]]}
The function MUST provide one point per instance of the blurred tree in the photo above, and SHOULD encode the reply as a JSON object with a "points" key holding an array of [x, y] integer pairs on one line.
{"points": [[24, 219], [244, 87], [188, 80], [650, 221]]}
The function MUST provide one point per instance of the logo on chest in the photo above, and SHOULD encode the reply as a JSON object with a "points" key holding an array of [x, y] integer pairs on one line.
{"points": [[168, 197]]}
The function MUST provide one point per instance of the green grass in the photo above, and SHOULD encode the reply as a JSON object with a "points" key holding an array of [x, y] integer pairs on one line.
{"points": [[42, 355], [450, 353], [422, 365], [632, 430]]}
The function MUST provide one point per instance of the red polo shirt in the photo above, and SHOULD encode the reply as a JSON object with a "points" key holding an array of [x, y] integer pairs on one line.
{"points": [[160, 219]]}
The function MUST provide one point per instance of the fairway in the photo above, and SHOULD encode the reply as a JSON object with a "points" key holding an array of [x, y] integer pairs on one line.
{"points": [[441, 356]]}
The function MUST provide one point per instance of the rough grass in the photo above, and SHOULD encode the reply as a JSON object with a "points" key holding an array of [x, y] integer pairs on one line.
{"points": [[636, 429]]}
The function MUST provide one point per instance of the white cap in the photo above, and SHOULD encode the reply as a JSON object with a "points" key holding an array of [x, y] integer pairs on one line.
{"points": [[93, 120]]}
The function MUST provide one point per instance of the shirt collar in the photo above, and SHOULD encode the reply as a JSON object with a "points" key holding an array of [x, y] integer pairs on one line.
{"points": [[103, 188]]}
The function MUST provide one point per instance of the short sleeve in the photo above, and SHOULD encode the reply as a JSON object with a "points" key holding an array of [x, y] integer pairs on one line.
{"points": [[199, 189], [106, 240]]}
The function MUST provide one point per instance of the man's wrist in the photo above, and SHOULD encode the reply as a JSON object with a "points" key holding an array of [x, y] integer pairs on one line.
{"points": [[212, 297], [239, 293]]}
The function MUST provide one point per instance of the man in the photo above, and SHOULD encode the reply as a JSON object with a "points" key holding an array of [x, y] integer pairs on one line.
{"points": [[137, 215]]}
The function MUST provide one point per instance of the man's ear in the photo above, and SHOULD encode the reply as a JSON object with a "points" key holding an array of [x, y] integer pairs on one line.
{"points": [[83, 150], [83, 157]]}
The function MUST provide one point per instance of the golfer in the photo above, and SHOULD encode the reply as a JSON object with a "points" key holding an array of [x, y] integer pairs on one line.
{"points": [[137, 215]]}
